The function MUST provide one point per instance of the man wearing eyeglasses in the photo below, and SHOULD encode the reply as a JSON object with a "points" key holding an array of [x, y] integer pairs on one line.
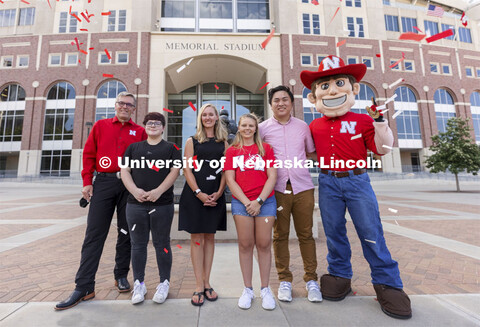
{"points": [[106, 143]]}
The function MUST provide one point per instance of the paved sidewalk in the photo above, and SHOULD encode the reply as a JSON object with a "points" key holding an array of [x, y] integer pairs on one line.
{"points": [[432, 231]]}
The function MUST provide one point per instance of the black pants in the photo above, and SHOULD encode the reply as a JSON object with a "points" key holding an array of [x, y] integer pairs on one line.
{"points": [[108, 193], [159, 222]]}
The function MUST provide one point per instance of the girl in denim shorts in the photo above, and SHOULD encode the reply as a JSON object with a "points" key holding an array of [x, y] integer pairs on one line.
{"points": [[251, 178]]}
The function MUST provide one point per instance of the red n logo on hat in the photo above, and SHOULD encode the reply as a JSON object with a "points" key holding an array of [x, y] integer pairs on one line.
{"points": [[330, 62]]}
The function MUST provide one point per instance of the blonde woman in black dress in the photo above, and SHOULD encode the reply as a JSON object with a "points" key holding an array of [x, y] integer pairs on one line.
{"points": [[202, 203]]}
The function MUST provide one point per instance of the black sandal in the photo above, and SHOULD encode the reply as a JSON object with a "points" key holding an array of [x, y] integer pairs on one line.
{"points": [[210, 298], [200, 295]]}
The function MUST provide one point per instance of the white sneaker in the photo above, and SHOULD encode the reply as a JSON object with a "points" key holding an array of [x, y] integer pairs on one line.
{"points": [[162, 292], [268, 301], [314, 294], [245, 301], [139, 291], [285, 291]]}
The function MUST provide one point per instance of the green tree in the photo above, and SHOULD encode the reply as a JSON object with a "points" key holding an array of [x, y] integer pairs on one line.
{"points": [[454, 150]]}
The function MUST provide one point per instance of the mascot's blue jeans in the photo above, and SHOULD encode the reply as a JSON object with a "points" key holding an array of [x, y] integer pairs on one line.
{"points": [[355, 193]]}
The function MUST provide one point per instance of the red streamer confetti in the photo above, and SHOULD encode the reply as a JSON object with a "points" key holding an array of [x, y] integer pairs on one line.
{"points": [[91, 48], [4, 2], [335, 14], [415, 27], [108, 54], [79, 61], [76, 17], [192, 106], [83, 51], [86, 18], [179, 246], [269, 37], [176, 147], [108, 75], [197, 243], [155, 168], [84, 29], [106, 13], [78, 45], [164, 249], [378, 55], [168, 110], [47, 1], [194, 163], [315, 2], [217, 87], [439, 36], [411, 36], [25, 2], [339, 44], [354, 293], [264, 85], [398, 61]]}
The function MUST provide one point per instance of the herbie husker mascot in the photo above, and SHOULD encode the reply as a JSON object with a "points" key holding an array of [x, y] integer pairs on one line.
{"points": [[333, 88]]}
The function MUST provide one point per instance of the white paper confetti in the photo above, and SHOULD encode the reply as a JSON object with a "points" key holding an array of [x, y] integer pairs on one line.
{"points": [[123, 231], [386, 146], [381, 107], [188, 63], [392, 210], [371, 241], [396, 222], [181, 68], [266, 220], [396, 82], [384, 111], [152, 211], [133, 228], [395, 115], [287, 192], [356, 137], [280, 208], [218, 170], [211, 178], [391, 98]]}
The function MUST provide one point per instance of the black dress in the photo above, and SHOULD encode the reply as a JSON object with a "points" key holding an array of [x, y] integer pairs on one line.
{"points": [[194, 217]]}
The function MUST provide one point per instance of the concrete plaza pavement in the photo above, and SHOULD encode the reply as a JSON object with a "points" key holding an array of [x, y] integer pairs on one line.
{"points": [[432, 231]]}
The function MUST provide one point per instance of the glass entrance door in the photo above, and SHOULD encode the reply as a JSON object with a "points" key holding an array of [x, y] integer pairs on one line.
{"points": [[236, 100]]}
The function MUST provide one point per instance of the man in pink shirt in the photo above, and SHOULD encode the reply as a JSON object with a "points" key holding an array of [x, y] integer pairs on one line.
{"points": [[294, 191]]}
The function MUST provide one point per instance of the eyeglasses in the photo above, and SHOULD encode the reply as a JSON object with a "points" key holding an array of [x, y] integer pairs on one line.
{"points": [[153, 123], [129, 105]]}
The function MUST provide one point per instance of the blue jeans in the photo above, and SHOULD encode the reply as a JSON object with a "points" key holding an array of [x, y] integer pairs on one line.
{"points": [[355, 193]]}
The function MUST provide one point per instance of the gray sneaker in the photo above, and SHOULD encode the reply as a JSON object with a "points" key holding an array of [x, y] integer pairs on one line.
{"points": [[285, 292], [314, 294]]}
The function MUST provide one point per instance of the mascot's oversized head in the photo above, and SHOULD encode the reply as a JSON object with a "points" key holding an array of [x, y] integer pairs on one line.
{"points": [[334, 85]]}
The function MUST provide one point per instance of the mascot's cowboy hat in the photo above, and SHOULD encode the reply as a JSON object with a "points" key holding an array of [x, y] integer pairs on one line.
{"points": [[332, 65]]}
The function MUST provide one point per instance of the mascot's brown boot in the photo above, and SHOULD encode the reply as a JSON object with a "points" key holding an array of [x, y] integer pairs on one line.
{"points": [[334, 288], [393, 301]]}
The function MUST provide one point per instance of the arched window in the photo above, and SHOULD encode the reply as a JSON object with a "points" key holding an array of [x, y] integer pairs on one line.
{"points": [[408, 122], [107, 93], [363, 99], [475, 107], [12, 108], [58, 130], [444, 108], [309, 111]]}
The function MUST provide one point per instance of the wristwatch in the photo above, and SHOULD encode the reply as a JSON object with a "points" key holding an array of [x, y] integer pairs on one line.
{"points": [[259, 200], [197, 191]]}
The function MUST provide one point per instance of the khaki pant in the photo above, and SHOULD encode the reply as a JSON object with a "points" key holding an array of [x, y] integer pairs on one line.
{"points": [[300, 206]]}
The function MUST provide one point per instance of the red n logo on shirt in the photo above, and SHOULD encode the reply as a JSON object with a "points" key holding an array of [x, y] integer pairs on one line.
{"points": [[348, 125]]}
